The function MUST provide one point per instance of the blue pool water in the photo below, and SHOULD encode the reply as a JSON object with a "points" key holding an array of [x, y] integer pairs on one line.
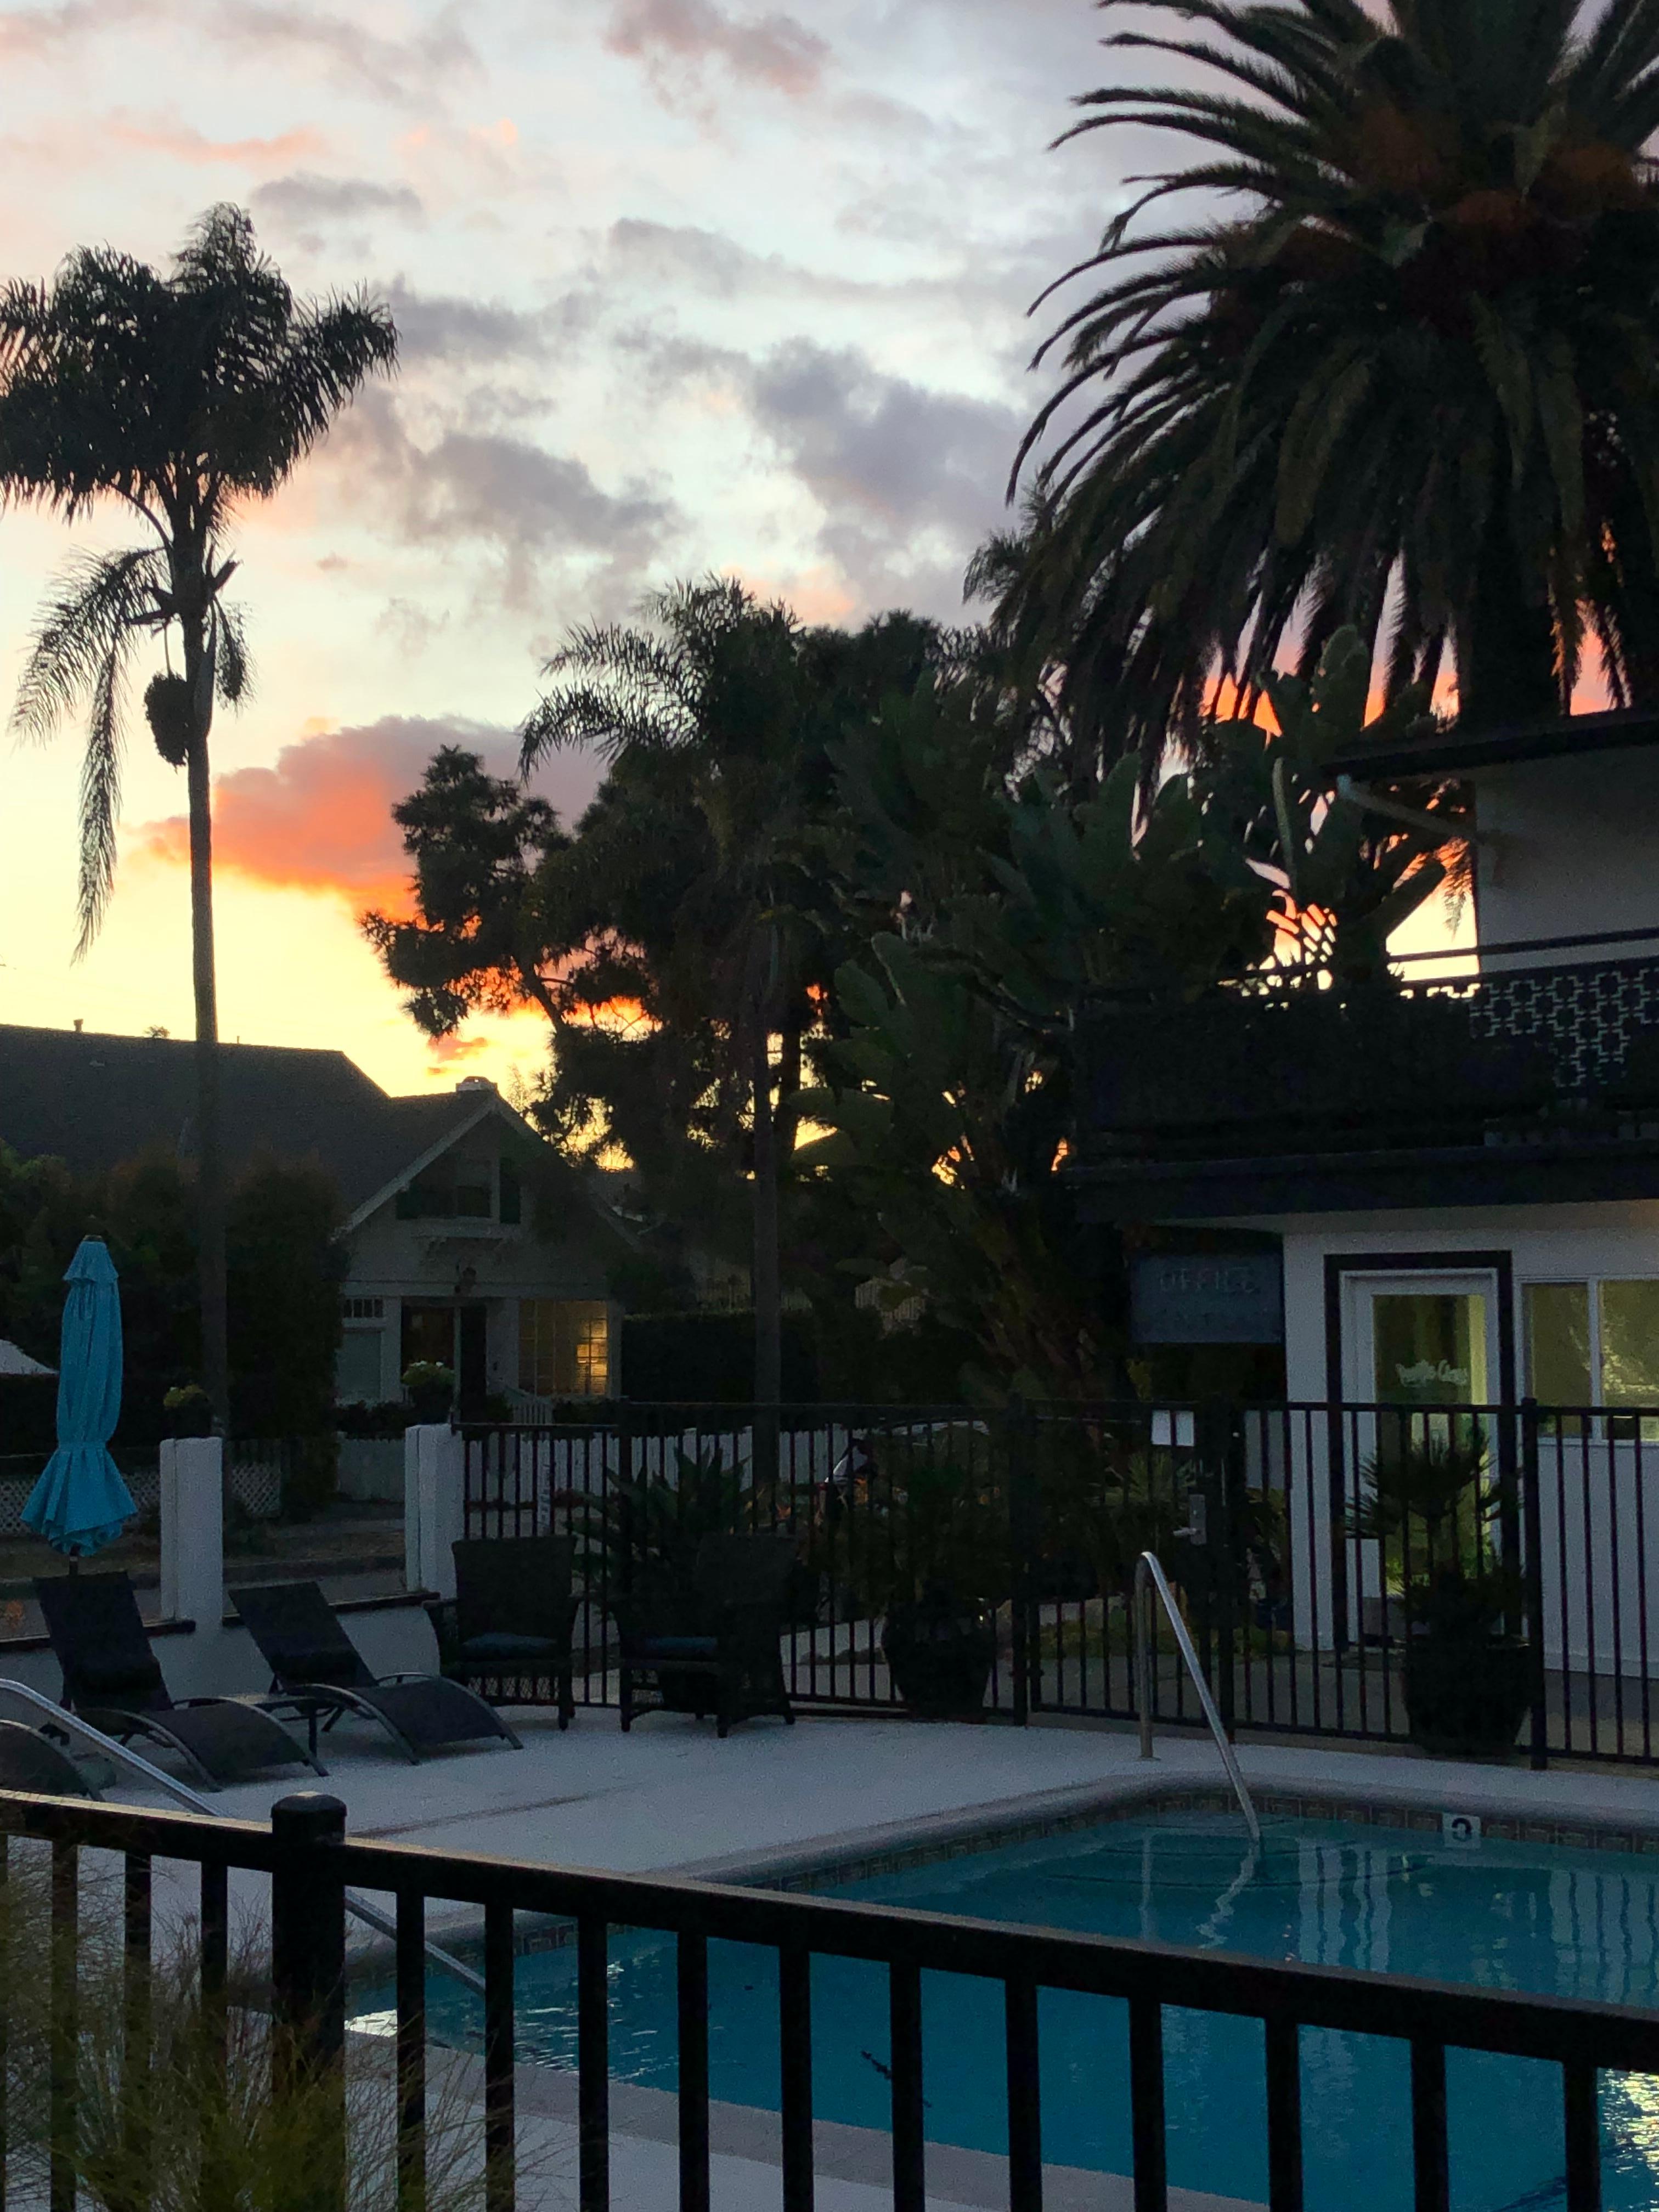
{"points": [[1570, 1923]]}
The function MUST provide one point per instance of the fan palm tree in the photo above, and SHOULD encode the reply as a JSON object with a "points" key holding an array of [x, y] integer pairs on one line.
{"points": [[180, 396], [1411, 384]]}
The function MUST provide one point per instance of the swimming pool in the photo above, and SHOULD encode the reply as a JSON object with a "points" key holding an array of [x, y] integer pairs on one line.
{"points": [[1570, 1923]]}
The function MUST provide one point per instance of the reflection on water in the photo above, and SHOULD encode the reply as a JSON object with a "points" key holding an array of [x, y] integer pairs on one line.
{"points": [[1571, 1923]]}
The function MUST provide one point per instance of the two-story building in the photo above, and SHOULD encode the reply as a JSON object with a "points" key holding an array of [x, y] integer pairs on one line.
{"points": [[1460, 1182]]}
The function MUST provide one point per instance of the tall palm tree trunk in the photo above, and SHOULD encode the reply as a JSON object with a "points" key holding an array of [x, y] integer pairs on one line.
{"points": [[1506, 651], [210, 1153], [768, 1295]]}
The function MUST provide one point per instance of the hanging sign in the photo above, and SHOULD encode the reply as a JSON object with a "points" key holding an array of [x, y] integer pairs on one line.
{"points": [[1207, 1298]]}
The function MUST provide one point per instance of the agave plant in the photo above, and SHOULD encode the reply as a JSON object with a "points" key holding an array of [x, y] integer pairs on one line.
{"points": [[1393, 364]]}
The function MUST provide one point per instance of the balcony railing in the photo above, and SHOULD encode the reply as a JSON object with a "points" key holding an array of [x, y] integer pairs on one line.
{"points": [[1290, 1061]]}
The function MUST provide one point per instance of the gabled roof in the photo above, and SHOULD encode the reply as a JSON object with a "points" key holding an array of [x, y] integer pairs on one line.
{"points": [[94, 1100]]}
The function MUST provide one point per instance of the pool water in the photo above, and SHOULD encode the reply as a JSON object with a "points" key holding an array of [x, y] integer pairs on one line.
{"points": [[1576, 1923]]}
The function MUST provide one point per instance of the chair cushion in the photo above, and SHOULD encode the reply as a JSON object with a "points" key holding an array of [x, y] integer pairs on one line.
{"points": [[113, 1677], [680, 1647], [499, 1644]]}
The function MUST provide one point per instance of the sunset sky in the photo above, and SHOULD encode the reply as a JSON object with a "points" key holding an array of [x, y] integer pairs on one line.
{"points": [[682, 284]]}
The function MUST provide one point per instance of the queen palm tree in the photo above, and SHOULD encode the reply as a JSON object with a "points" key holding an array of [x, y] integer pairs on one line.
{"points": [[180, 396], [1393, 364]]}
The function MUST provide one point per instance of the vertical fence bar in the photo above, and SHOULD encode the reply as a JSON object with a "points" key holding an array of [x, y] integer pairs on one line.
{"points": [[307, 1962], [1283, 2116], [1024, 2098], [1583, 2137], [1429, 2158], [594, 2066], [7, 1948], [1532, 1541], [795, 2056], [1147, 2129], [691, 1975], [65, 2024], [500, 2185], [909, 2151], [411, 2049], [215, 1961]]}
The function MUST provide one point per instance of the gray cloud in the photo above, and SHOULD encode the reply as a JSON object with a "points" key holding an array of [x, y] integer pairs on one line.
{"points": [[440, 326], [398, 69], [304, 198], [909, 480], [672, 38], [530, 505]]}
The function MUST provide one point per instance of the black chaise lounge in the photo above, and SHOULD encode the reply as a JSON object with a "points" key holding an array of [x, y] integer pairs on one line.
{"points": [[506, 1631], [30, 1761], [112, 1680], [318, 1671], [713, 1647]]}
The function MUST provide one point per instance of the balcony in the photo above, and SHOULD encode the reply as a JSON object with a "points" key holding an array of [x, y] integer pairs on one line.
{"points": [[1420, 1091]]}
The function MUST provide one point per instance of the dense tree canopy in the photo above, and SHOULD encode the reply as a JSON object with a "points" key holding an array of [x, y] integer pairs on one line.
{"points": [[1406, 379]]}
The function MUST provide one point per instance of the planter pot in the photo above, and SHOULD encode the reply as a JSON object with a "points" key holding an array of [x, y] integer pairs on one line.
{"points": [[431, 1406], [1466, 1695], [940, 1654]]}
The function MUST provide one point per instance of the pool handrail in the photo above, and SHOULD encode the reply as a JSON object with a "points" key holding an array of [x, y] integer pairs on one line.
{"points": [[1149, 1577], [122, 1755]]}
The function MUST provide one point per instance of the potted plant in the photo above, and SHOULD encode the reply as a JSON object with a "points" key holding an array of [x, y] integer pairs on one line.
{"points": [[940, 1543], [188, 1410], [431, 1388], [1433, 1507]]}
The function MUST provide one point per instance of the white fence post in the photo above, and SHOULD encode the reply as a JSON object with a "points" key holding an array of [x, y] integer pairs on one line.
{"points": [[193, 1530], [435, 1505]]}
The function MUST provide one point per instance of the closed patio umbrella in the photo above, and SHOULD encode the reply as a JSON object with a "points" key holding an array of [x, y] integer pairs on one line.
{"points": [[80, 1503]]}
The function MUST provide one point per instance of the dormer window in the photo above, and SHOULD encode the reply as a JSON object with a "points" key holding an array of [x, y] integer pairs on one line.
{"points": [[472, 1199]]}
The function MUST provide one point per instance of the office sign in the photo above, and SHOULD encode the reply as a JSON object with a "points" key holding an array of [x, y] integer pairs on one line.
{"points": [[1207, 1298]]}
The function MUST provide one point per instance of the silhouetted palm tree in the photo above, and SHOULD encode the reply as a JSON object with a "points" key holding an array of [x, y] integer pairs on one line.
{"points": [[1412, 385], [181, 396]]}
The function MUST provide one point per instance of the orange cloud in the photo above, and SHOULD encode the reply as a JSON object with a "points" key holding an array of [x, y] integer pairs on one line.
{"points": [[319, 818], [182, 143]]}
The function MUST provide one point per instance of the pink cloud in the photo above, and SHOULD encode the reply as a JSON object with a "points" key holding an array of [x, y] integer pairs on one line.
{"points": [[319, 818], [182, 143], [774, 50]]}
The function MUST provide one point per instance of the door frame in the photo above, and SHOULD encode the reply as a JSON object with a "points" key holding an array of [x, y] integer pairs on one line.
{"points": [[1500, 1265]]}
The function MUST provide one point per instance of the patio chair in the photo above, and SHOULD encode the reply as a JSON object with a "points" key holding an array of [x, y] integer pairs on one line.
{"points": [[712, 1647], [318, 1671], [31, 1761], [506, 1631], [112, 1679]]}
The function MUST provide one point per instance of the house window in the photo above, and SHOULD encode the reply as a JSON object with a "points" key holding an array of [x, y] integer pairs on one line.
{"points": [[512, 1209], [357, 1366], [1594, 1343], [472, 1200], [564, 1347], [362, 1309]]}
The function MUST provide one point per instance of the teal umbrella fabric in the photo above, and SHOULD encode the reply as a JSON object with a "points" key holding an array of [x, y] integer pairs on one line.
{"points": [[80, 1503]]}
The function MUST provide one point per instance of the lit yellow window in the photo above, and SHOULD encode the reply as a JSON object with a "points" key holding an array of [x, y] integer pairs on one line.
{"points": [[564, 1347]]}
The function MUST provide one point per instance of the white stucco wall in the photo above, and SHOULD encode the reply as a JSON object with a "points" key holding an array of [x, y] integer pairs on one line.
{"points": [[1573, 853], [1545, 1243]]}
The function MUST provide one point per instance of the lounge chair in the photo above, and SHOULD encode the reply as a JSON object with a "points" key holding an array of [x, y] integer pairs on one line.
{"points": [[318, 1673], [112, 1680], [713, 1647], [506, 1631], [32, 1762]]}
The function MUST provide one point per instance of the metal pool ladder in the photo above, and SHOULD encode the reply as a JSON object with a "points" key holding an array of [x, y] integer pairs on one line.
{"points": [[1149, 1577]]}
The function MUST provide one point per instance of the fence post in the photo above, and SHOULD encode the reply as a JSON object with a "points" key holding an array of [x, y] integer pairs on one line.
{"points": [[435, 1505], [1220, 1465], [1532, 1519], [194, 1531], [307, 1967], [1019, 1439]]}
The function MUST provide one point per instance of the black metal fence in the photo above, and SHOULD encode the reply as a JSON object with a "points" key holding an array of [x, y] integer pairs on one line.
{"points": [[308, 1864], [1310, 1543]]}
